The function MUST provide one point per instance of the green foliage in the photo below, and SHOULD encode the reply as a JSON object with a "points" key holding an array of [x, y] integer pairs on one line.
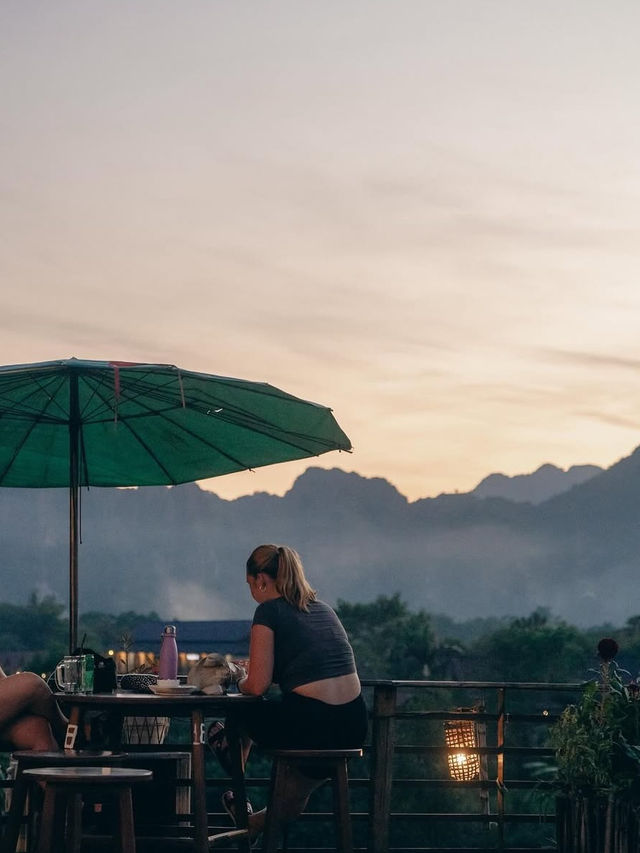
{"points": [[40, 618], [38, 626], [534, 648], [105, 630], [389, 641], [596, 740], [468, 631], [41, 627]]}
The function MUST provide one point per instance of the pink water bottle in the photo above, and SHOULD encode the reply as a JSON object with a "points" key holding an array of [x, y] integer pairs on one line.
{"points": [[168, 666]]}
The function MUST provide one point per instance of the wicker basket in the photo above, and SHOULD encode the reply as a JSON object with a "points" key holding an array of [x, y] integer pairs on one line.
{"points": [[137, 730]]}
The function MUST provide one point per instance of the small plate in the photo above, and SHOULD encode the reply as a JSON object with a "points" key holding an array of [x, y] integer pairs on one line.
{"points": [[180, 690]]}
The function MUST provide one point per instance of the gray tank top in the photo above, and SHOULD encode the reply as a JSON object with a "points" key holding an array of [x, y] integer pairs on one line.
{"points": [[309, 645]]}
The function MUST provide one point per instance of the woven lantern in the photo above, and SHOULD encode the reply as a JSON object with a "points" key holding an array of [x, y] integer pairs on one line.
{"points": [[461, 738]]}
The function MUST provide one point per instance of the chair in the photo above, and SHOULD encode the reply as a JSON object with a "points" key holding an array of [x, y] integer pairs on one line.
{"points": [[319, 763], [69, 784], [32, 759]]}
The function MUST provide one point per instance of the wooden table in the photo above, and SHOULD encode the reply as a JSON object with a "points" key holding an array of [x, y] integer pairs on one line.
{"points": [[197, 707]]}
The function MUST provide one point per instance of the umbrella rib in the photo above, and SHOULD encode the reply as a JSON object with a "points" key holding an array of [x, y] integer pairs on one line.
{"points": [[289, 440], [89, 382], [33, 424], [254, 427], [17, 450], [257, 425], [37, 416], [239, 417], [148, 393], [151, 454], [131, 393], [202, 440], [242, 417], [124, 421]]}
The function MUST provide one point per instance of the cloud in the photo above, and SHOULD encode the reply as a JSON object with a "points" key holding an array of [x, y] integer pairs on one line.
{"points": [[190, 600], [612, 419], [78, 336], [591, 359]]}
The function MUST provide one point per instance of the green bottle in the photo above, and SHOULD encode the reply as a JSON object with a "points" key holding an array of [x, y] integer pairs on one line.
{"points": [[87, 673]]}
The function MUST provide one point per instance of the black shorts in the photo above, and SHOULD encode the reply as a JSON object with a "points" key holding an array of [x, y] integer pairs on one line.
{"points": [[293, 721]]}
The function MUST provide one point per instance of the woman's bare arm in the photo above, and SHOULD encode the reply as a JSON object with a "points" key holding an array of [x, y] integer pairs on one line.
{"points": [[260, 673]]}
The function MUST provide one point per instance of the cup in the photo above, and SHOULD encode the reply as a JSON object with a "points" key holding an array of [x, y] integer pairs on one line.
{"points": [[87, 673], [69, 674]]}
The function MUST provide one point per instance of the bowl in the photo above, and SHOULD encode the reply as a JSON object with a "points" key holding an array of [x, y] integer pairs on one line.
{"points": [[138, 682]]}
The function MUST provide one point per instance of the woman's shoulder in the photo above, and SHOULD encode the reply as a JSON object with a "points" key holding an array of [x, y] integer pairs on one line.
{"points": [[317, 604], [268, 608], [280, 607], [270, 604]]}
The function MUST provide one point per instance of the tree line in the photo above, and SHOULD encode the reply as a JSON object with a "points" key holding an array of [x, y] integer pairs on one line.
{"points": [[390, 640]]}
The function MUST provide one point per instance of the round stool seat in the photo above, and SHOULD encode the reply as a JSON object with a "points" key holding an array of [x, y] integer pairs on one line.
{"points": [[30, 758], [315, 754], [89, 775], [71, 784]]}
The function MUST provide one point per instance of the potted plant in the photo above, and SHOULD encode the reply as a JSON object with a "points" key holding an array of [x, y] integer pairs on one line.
{"points": [[597, 746]]}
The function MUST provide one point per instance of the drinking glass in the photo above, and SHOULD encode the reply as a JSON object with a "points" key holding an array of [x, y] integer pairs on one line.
{"points": [[69, 674]]}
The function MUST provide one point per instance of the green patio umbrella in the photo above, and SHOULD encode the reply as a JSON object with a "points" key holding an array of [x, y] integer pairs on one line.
{"points": [[74, 423]]}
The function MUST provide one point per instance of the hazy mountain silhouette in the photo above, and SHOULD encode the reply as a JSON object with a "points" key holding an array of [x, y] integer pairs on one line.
{"points": [[181, 551], [535, 488]]}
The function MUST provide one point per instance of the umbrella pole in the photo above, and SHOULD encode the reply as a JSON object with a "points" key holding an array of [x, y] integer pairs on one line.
{"points": [[74, 431]]}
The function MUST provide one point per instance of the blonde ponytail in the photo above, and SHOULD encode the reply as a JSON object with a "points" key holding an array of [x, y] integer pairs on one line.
{"points": [[284, 565]]}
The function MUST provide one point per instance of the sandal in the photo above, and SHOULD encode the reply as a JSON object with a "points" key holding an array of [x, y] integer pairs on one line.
{"points": [[218, 745], [228, 804]]}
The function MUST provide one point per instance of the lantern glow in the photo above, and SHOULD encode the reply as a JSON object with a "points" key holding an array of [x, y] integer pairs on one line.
{"points": [[460, 735]]}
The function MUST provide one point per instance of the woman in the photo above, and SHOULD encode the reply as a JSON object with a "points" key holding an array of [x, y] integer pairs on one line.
{"points": [[298, 643], [29, 714]]}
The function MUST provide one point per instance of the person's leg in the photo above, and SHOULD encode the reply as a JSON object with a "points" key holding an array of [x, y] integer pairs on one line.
{"points": [[217, 740], [29, 732], [295, 796], [26, 694], [310, 724], [289, 721], [263, 722], [299, 722]]}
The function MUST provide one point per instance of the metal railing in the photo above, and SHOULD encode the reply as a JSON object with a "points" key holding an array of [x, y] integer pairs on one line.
{"points": [[404, 796], [415, 804]]}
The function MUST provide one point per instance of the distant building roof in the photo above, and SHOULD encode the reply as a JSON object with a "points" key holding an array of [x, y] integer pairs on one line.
{"points": [[226, 636]]}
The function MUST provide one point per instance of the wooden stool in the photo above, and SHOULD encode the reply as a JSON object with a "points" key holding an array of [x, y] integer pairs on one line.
{"points": [[29, 759], [70, 783], [320, 762]]}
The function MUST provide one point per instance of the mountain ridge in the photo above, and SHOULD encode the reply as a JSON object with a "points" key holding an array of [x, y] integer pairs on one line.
{"points": [[181, 550], [545, 482]]}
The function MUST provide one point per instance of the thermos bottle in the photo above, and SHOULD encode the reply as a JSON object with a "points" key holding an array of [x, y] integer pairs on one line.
{"points": [[168, 666]]}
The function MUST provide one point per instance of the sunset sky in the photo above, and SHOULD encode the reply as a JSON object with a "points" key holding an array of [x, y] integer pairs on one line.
{"points": [[423, 214]]}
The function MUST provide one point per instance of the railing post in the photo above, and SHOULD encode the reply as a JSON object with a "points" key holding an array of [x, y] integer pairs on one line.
{"points": [[383, 744], [500, 768]]}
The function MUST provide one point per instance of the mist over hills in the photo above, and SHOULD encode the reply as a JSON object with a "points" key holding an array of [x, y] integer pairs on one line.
{"points": [[569, 543]]}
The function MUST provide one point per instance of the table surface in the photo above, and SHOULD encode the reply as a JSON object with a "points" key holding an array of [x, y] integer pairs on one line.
{"points": [[122, 698]]}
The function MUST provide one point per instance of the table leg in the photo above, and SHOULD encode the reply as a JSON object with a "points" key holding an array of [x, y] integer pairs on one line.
{"points": [[234, 739], [72, 728], [199, 790]]}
